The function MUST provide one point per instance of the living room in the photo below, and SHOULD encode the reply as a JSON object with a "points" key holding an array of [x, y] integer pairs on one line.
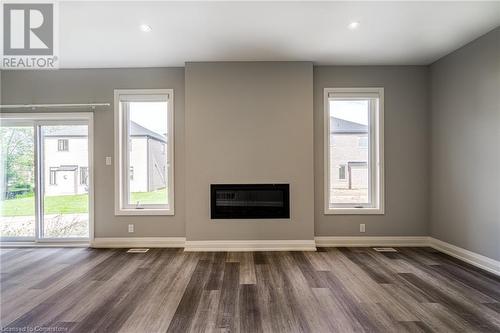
{"points": [[250, 166]]}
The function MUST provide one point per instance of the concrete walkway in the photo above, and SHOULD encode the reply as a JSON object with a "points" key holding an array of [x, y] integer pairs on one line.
{"points": [[56, 225]]}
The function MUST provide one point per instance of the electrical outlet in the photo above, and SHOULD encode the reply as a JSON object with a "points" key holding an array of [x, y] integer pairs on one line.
{"points": [[108, 160], [130, 228], [361, 228]]}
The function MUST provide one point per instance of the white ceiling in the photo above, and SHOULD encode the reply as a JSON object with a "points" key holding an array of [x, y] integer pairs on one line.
{"points": [[107, 34]]}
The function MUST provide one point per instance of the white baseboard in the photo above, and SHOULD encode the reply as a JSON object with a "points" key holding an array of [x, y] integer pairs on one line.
{"points": [[470, 257], [127, 242], [478, 260], [44, 244], [250, 245], [367, 241]]}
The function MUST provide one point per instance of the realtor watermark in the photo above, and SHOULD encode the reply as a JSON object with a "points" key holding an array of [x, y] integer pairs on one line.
{"points": [[29, 35]]}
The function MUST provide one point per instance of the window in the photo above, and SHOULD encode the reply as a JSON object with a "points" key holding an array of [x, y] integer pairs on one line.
{"points": [[144, 150], [342, 172], [354, 149], [84, 175], [62, 145], [53, 176]]}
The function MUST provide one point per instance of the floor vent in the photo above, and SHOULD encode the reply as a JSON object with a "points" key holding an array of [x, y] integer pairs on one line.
{"points": [[385, 249], [137, 250]]}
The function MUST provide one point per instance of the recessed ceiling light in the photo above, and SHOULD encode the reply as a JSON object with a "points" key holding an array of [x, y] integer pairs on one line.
{"points": [[353, 25], [145, 28]]}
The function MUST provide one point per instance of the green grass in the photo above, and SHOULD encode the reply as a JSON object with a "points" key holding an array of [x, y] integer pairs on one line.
{"points": [[69, 204], [60, 204], [154, 197]]}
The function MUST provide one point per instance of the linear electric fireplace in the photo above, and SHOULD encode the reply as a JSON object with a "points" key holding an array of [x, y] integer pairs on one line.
{"points": [[250, 201]]}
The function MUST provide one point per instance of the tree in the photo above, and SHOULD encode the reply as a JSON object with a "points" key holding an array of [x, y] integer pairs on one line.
{"points": [[16, 159]]}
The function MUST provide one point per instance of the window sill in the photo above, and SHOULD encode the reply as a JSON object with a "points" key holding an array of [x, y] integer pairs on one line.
{"points": [[139, 212], [354, 211]]}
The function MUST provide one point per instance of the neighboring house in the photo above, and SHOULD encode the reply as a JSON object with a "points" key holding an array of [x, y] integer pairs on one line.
{"points": [[148, 159], [66, 165], [65, 160], [349, 154]]}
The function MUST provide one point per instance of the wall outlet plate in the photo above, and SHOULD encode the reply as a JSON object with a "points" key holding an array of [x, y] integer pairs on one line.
{"points": [[362, 228], [130, 228]]}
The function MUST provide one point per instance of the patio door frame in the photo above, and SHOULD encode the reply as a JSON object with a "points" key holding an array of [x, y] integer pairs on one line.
{"points": [[37, 120]]}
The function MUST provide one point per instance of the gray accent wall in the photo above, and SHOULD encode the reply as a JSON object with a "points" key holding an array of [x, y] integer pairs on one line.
{"points": [[406, 150], [465, 150], [249, 123], [97, 85]]}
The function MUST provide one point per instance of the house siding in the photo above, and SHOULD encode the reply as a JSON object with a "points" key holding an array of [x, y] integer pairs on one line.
{"points": [[157, 164], [139, 164], [67, 182]]}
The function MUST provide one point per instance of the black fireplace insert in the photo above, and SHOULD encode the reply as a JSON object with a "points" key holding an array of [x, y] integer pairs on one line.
{"points": [[250, 201]]}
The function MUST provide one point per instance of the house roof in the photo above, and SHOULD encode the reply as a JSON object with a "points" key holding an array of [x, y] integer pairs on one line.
{"points": [[65, 131], [138, 130], [75, 131], [338, 125]]}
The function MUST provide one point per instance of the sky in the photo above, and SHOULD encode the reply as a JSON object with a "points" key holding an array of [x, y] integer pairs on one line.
{"points": [[355, 111], [152, 115]]}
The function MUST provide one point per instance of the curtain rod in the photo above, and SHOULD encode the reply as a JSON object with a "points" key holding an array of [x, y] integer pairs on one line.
{"points": [[35, 106]]}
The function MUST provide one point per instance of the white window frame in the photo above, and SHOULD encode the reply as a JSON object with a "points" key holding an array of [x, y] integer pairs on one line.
{"points": [[344, 168], [53, 176], [376, 152], [62, 145], [122, 173], [84, 176]]}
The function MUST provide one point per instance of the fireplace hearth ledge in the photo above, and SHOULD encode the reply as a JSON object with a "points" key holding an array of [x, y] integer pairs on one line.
{"points": [[250, 245]]}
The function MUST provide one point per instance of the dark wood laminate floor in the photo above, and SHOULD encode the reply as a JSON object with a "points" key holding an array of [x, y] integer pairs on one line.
{"points": [[167, 290]]}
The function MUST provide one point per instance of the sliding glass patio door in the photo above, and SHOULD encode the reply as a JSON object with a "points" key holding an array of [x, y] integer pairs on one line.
{"points": [[47, 181]]}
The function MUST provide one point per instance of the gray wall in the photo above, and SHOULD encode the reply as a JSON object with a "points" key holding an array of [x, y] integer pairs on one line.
{"points": [[97, 85], [406, 150], [249, 123], [441, 167], [465, 159]]}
